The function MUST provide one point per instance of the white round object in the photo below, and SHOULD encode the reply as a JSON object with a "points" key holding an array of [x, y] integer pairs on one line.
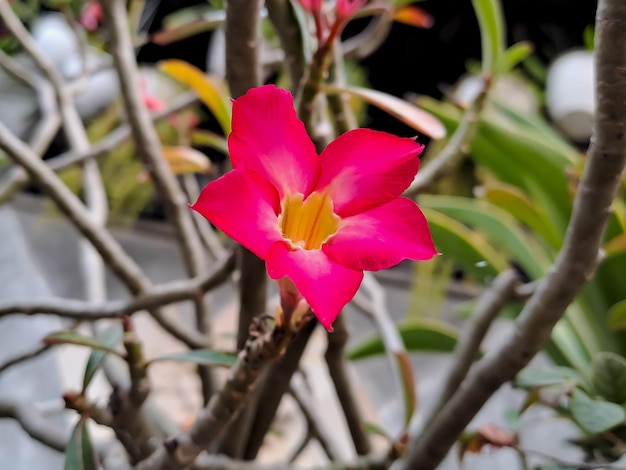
{"points": [[55, 38], [570, 94]]}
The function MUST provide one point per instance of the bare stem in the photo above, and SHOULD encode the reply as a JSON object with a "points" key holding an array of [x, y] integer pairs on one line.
{"points": [[264, 345], [34, 424], [575, 264], [148, 145], [157, 296], [489, 305], [335, 359], [24, 357], [243, 71]]}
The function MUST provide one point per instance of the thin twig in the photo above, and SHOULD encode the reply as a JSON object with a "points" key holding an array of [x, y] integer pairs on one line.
{"points": [[335, 360], [149, 147], [243, 71], [274, 385], [158, 295], [282, 16], [339, 105], [24, 357], [17, 178], [113, 254], [489, 305], [34, 423], [315, 428], [457, 147], [263, 346], [575, 264]]}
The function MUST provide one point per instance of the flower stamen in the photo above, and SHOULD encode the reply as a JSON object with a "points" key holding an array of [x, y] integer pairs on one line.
{"points": [[307, 224]]}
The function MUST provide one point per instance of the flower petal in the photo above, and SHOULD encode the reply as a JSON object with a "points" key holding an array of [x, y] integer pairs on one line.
{"points": [[382, 237], [365, 168], [269, 139], [243, 206], [325, 285]]}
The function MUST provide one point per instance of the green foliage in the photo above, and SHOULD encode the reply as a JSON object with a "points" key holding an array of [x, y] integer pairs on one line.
{"points": [[200, 356], [418, 335], [109, 339], [80, 454], [608, 376]]}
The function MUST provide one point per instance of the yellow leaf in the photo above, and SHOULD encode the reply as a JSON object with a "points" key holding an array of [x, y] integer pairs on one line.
{"points": [[186, 160], [413, 16], [212, 92]]}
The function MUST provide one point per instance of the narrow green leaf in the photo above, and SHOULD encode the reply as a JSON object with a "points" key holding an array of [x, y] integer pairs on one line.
{"points": [[514, 55], [408, 384], [501, 228], [596, 416], [492, 36], [469, 249], [423, 335], [71, 337], [372, 428], [109, 338], [608, 376], [617, 316], [209, 139], [534, 377], [201, 356], [80, 453], [518, 204]]}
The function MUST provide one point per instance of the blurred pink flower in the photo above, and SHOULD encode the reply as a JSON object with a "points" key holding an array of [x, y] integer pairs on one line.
{"points": [[91, 15], [312, 6], [317, 220], [344, 9]]}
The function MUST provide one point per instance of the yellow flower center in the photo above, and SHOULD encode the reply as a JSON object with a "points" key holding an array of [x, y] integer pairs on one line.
{"points": [[308, 224]]}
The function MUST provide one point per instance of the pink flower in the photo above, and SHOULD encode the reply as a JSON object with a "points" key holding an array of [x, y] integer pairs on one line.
{"points": [[344, 9], [312, 6], [317, 220], [91, 15]]}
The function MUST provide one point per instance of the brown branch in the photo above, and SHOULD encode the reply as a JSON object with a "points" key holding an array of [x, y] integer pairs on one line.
{"points": [[282, 16], [112, 253], [18, 178], [264, 345], [157, 296], [315, 428], [575, 264], [149, 147], [24, 357], [243, 71], [274, 385], [489, 305], [335, 360], [35, 425]]}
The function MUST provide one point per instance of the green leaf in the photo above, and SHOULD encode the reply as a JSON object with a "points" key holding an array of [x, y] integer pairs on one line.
{"points": [[492, 34], [617, 316], [514, 55], [373, 428], [209, 139], [467, 248], [109, 339], [534, 377], [420, 120], [501, 228], [80, 454], [519, 205], [595, 416], [71, 337], [608, 376], [201, 356], [423, 335]]}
